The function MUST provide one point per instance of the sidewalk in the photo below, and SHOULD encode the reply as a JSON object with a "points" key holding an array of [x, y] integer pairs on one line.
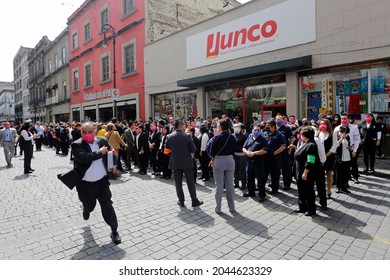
{"points": [[42, 219]]}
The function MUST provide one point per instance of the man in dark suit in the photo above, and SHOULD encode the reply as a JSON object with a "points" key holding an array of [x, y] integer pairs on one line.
{"points": [[130, 141], [76, 135], [90, 160], [181, 161], [62, 139], [142, 145]]}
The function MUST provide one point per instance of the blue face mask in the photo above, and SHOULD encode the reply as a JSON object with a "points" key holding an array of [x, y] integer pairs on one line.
{"points": [[256, 133], [279, 122]]}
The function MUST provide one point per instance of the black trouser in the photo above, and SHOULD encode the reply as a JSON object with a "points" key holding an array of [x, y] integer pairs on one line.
{"points": [[90, 192], [320, 183], [354, 171], [156, 164], [240, 170], [286, 169], [342, 177], [28, 152], [306, 195], [129, 152], [38, 143], [379, 148], [204, 160], [272, 165], [164, 164], [369, 154], [189, 174], [255, 170], [143, 161]]}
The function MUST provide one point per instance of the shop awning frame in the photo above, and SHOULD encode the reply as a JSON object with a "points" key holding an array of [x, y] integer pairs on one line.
{"points": [[289, 65]]}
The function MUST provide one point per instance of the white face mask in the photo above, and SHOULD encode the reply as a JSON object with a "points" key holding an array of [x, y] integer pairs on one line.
{"points": [[237, 130]]}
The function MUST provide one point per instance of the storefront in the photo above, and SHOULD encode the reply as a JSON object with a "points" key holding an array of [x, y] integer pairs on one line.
{"points": [[179, 105], [263, 59]]}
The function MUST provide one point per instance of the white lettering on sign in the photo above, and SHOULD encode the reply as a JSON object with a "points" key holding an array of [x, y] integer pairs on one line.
{"points": [[284, 25]]}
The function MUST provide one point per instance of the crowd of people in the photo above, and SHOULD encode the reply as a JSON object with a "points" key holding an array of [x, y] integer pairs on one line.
{"points": [[316, 155]]}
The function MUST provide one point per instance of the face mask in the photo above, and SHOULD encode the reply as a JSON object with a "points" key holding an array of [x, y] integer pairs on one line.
{"points": [[153, 129], [336, 119], [368, 120], [262, 127], [344, 122], [292, 120], [7, 126], [198, 124], [237, 130], [279, 122], [171, 121], [328, 116], [268, 129], [165, 131], [299, 137], [285, 122], [88, 137], [323, 127], [256, 133]]}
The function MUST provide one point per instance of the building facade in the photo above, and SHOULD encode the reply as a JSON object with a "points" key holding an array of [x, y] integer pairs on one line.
{"points": [[57, 91], [20, 64], [299, 57], [107, 76], [36, 81], [7, 102]]}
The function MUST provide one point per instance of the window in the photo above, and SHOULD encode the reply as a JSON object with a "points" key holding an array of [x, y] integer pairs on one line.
{"points": [[87, 32], [105, 68], [49, 66], [88, 75], [63, 55], [75, 41], [129, 59], [56, 65], [75, 80], [128, 6], [104, 16]]}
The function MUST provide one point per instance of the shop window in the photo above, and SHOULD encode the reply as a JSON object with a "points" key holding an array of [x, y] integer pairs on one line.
{"points": [[180, 105], [380, 89], [164, 106], [185, 106]]}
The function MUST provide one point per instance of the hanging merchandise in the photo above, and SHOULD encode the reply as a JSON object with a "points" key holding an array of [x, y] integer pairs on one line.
{"points": [[313, 105], [354, 104], [324, 99], [331, 95]]}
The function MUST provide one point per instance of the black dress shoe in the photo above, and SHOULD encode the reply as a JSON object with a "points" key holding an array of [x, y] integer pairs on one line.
{"points": [[86, 216], [27, 172], [310, 213], [299, 211], [346, 191], [115, 237], [168, 177], [197, 203], [323, 207], [261, 199], [338, 191], [205, 179], [32, 169], [248, 195], [274, 192], [181, 204], [200, 178]]}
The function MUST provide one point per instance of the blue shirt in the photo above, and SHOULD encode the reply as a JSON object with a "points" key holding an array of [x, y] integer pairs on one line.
{"points": [[253, 145], [286, 131], [223, 144], [275, 141]]}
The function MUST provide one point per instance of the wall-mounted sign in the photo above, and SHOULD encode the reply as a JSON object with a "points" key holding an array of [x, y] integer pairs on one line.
{"points": [[284, 25]]}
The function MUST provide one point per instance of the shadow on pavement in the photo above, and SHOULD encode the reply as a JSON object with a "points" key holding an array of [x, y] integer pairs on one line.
{"points": [[246, 226], [95, 251], [23, 177], [196, 217], [343, 224]]}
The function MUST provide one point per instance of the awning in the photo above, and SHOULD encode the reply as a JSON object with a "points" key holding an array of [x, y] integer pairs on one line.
{"points": [[289, 65]]}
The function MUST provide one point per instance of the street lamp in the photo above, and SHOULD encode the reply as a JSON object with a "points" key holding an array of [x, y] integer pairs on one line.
{"points": [[108, 28]]}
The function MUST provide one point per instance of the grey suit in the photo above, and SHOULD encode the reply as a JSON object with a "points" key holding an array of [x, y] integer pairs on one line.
{"points": [[182, 146], [8, 144]]}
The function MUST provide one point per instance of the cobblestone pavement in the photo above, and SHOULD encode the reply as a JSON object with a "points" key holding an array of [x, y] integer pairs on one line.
{"points": [[41, 219]]}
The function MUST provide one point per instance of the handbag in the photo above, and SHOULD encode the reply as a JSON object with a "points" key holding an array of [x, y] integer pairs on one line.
{"points": [[71, 178], [212, 159]]}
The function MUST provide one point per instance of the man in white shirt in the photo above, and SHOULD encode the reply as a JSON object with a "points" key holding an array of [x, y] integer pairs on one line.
{"points": [[7, 141], [39, 138], [354, 136], [90, 160]]}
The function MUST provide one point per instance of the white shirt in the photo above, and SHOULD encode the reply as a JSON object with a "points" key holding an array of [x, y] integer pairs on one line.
{"points": [[204, 139], [321, 149], [354, 136], [27, 136], [40, 129], [345, 156], [97, 170]]}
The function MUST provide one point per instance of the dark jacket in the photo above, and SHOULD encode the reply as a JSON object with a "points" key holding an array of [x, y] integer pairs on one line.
{"points": [[306, 157], [76, 134], [182, 147], [368, 134]]}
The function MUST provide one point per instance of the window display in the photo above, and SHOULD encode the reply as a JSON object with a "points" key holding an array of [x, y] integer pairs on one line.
{"points": [[180, 105]]}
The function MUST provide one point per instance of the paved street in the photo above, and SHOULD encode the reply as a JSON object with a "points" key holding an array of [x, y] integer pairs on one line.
{"points": [[41, 219]]}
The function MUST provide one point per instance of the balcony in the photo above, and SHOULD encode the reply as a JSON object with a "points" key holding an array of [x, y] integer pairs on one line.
{"points": [[52, 100]]}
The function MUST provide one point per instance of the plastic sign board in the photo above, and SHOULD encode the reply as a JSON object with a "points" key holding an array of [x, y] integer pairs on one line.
{"points": [[284, 25], [115, 94]]}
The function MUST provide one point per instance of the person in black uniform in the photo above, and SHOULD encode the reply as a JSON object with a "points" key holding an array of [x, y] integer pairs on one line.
{"points": [[255, 148], [76, 135], [285, 157], [191, 132], [306, 157], [142, 145], [383, 129], [62, 139], [371, 137], [26, 143], [276, 145], [240, 159], [154, 144], [164, 155]]}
